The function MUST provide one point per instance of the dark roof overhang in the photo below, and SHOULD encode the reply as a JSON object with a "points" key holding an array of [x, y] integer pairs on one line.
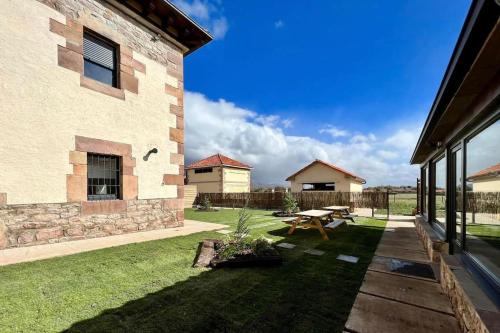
{"points": [[168, 18], [473, 71]]}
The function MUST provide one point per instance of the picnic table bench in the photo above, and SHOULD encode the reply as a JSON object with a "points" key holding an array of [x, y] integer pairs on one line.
{"points": [[341, 212], [321, 220]]}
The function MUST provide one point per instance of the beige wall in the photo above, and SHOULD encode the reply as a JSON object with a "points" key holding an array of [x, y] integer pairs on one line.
{"points": [[486, 185], [206, 182], [236, 180], [44, 107], [221, 180], [319, 173]]}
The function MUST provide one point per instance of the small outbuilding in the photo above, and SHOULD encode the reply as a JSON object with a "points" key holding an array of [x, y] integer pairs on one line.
{"points": [[323, 176], [219, 174]]}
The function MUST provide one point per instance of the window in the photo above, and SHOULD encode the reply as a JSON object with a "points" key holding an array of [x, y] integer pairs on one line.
{"points": [[425, 190], [103, 177], [456, 163], [203, 170], [318, 187], [99, 58], [482, 191], [439, 199]]}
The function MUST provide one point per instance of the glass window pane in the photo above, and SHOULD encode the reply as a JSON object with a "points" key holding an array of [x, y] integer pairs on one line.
{"points": [[457, 164], [426, 191], [98, 73], [482, 197], [440, 193]]}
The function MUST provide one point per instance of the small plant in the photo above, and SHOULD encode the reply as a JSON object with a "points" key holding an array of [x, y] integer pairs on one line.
{"points": [[205, 203], [262, 246], [290, 205], [242, 231]]}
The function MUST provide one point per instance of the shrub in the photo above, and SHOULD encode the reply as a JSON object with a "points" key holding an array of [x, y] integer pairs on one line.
{"points": [[205, 203], [262, 246], [290, 205]]}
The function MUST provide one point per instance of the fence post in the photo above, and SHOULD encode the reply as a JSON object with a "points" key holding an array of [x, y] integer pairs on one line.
{"points": [[371, 201], [388, 200]]}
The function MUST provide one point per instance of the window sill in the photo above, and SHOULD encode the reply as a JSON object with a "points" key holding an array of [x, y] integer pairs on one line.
{"points": [[104, 207], [92, 84]]}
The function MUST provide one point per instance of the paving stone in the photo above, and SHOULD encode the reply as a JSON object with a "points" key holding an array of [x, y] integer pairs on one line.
{"points": [[314, 252], [401, 253], [347, 258], [374, 314], [286, 245], [387, 265], [408, 290]]}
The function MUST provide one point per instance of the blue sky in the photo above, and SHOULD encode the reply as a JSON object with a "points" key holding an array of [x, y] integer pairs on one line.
{"points": [[345, 81]]}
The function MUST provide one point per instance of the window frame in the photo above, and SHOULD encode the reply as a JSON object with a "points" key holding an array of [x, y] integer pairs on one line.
{"points": [[486, 279], [118, 178], [204, 170], [116, 54], [441, 156]]}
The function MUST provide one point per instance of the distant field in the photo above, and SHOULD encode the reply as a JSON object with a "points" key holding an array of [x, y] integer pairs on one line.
{"points": [[400, 204], [403, 204]]}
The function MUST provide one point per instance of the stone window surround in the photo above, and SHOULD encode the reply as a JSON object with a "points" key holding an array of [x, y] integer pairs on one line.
{"points": [[77, 182], [70, 57]]}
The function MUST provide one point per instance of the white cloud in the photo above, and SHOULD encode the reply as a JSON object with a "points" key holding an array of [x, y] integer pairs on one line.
{"points": [[403, 139], [222, 127], [387, 154], [287, 123], [207, 13], [334, 131], [279, 24]]}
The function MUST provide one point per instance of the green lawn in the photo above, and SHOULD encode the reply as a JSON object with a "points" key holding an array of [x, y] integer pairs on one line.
{"points": [[152, 287], [486, 232]]}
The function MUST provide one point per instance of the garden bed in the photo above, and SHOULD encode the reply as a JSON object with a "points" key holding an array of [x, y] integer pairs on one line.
{"points": [[208, 257]]}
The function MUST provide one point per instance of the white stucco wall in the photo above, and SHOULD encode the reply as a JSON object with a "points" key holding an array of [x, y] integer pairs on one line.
{"points": [[236, 180], [44, 107], [319, 173], [491, 184]]}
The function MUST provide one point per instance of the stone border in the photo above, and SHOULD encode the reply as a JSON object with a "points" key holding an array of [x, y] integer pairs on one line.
{"points": [[77, 182], [70, 57], [472, 307], [474, 310], [432, 243], [176, 134]]}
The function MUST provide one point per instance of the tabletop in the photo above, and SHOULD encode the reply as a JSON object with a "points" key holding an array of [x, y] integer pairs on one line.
{"points": [[315, 213], [336, 207]]}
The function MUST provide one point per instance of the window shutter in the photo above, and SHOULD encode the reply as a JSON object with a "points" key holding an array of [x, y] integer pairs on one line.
{"points": [[98, 51]]}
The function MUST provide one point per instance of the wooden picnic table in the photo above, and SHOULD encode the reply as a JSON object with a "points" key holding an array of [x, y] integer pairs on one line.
{"points": [[315, 220], [341, 212]]}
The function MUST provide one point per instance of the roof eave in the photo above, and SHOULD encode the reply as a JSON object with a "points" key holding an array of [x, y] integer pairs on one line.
{"points": [[461, 60]]}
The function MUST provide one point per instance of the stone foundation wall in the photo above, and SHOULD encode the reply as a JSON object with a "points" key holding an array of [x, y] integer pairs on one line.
{"points": [[432, 244], [475, 312], [35, 224]]}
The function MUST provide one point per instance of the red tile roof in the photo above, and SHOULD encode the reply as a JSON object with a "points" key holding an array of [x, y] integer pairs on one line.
{"points": [[217, 160], [334, 167], [489, 171]]}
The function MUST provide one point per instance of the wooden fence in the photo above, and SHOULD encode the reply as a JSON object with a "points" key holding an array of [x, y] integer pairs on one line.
{"points": [[306, 200]]}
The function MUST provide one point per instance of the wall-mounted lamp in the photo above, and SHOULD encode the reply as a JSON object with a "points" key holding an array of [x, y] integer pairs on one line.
{"points": [[152, 151]]}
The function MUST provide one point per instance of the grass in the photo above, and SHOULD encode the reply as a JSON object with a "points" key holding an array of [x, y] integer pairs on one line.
{"points": [[152, 287], [486, 232], [400, 204]]}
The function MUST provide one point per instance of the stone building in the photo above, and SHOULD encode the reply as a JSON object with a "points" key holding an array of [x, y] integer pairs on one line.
{"points": [[219, 174], [92, 130]]}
